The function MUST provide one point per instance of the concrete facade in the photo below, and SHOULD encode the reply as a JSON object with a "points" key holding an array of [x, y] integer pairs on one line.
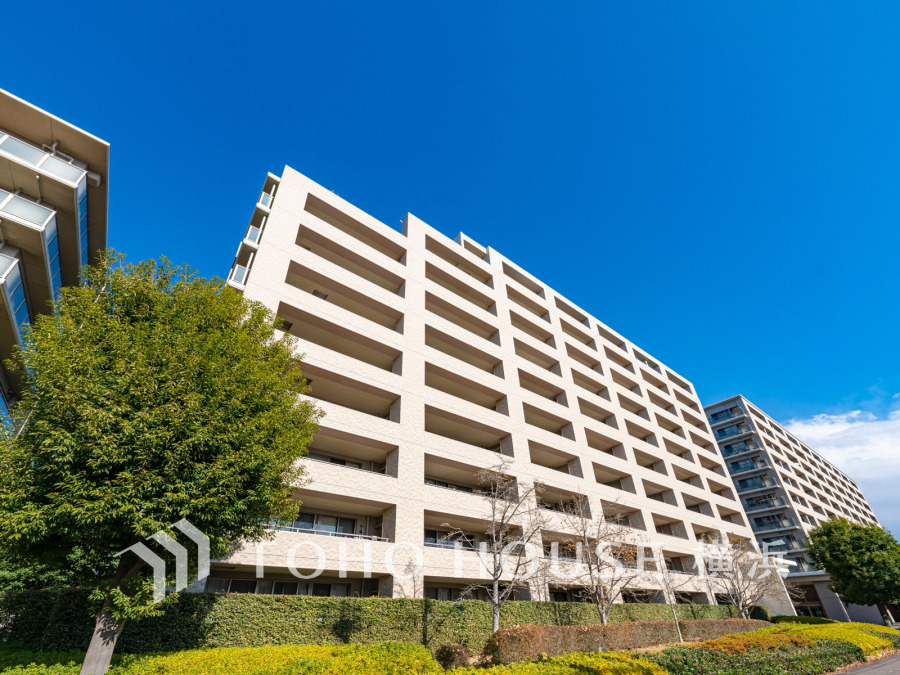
{"points": [[431, 357], [53, 213], [786, 489]]}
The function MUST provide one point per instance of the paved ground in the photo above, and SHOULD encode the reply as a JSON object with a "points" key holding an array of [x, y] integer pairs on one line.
{"points": [[888, 666]]}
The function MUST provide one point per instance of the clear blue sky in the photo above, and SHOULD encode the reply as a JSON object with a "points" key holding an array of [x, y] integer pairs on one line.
{"points": [[718, 182]]}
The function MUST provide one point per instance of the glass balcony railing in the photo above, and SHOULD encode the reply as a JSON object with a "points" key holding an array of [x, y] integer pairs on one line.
{"points": [[732, 431], [38, 158], [239, 274], [265, 200], [801, 566], [724, 415], [24, 210], [764, 504], [784, 545], [774, 524], [748, 465], [755, 484], [253, 234], [738, 448]]}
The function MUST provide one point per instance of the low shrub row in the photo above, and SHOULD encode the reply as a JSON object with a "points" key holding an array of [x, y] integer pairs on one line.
{"points": [[516, 643], [789, 660], [383, 659], [870, 638], [785, 618], [61, 620], [786, 648], [573, 664]]}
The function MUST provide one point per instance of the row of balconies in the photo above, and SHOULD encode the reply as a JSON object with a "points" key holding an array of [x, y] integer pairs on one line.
{"points": [[452, 279]]}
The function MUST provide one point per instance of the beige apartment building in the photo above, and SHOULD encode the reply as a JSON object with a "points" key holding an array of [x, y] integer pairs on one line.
{"points": [[786, 489], [432, 358]]}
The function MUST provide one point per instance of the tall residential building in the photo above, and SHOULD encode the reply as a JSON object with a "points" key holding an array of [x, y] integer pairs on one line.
{"points": [[433, 357], [786, 489], [53, 206]]}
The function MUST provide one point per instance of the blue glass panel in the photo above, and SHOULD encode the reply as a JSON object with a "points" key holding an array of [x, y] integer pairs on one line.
{"points": [[82, 207]]}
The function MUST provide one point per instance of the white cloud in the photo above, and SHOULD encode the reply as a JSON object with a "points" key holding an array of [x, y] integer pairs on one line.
{"points": [[866, 448]]}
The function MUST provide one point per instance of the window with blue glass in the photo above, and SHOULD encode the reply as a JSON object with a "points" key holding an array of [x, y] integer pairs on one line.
{"points": [[5, 417], [15, 290], [53, 256], [83, 227]]}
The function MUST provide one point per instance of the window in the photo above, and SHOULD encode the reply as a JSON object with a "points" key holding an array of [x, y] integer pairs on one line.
{"points": [[331, 590], [335, 460], [442, 593], [285, 588], [326, 524], [440, 539], [217, 585], [243, 586]]}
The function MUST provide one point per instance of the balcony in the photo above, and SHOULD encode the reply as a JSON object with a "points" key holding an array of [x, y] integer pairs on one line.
{"points": [[456, 476], [747, 465], [342, 525], [780, 524], [763, 504], [749, 484], [738, 449], [339, 338], [725, 415], [734, 430], [463, 429], [351, 451], [551, 458], [563, 501], [265, 199], [327, 530], [358, 300], [786, 544]]}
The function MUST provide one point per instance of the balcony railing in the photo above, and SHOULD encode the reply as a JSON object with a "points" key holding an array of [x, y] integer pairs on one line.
{"points": [[748, 465], [733, 450], [728, 432], [265, 200], [802, 566], [724, 416], [755, 484], [450, 544], [253, 234], [327, 533], [784, 523], [239, 274], [764, 504], [787, 545]]}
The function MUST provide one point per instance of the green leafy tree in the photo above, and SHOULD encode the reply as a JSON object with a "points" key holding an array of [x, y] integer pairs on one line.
{"points": [[863, 562], [151, 395]]}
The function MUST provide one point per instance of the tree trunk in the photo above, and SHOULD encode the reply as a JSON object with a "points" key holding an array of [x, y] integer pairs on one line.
{"points": [[103, 643], [885, 614], [677, 623]]}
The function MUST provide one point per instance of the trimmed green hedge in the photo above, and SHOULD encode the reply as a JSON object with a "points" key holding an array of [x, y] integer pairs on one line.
{"points": [[786, 618], [61, 620]]}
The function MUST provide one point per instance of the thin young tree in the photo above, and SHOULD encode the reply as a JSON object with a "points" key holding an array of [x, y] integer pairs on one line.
{"points": [[736, 570], [514, 522], [151, 395], [609, 556], [672, 581]]}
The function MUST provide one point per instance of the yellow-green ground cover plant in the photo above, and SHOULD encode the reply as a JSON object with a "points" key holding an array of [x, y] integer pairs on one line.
{"points": [[783, 649]]}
